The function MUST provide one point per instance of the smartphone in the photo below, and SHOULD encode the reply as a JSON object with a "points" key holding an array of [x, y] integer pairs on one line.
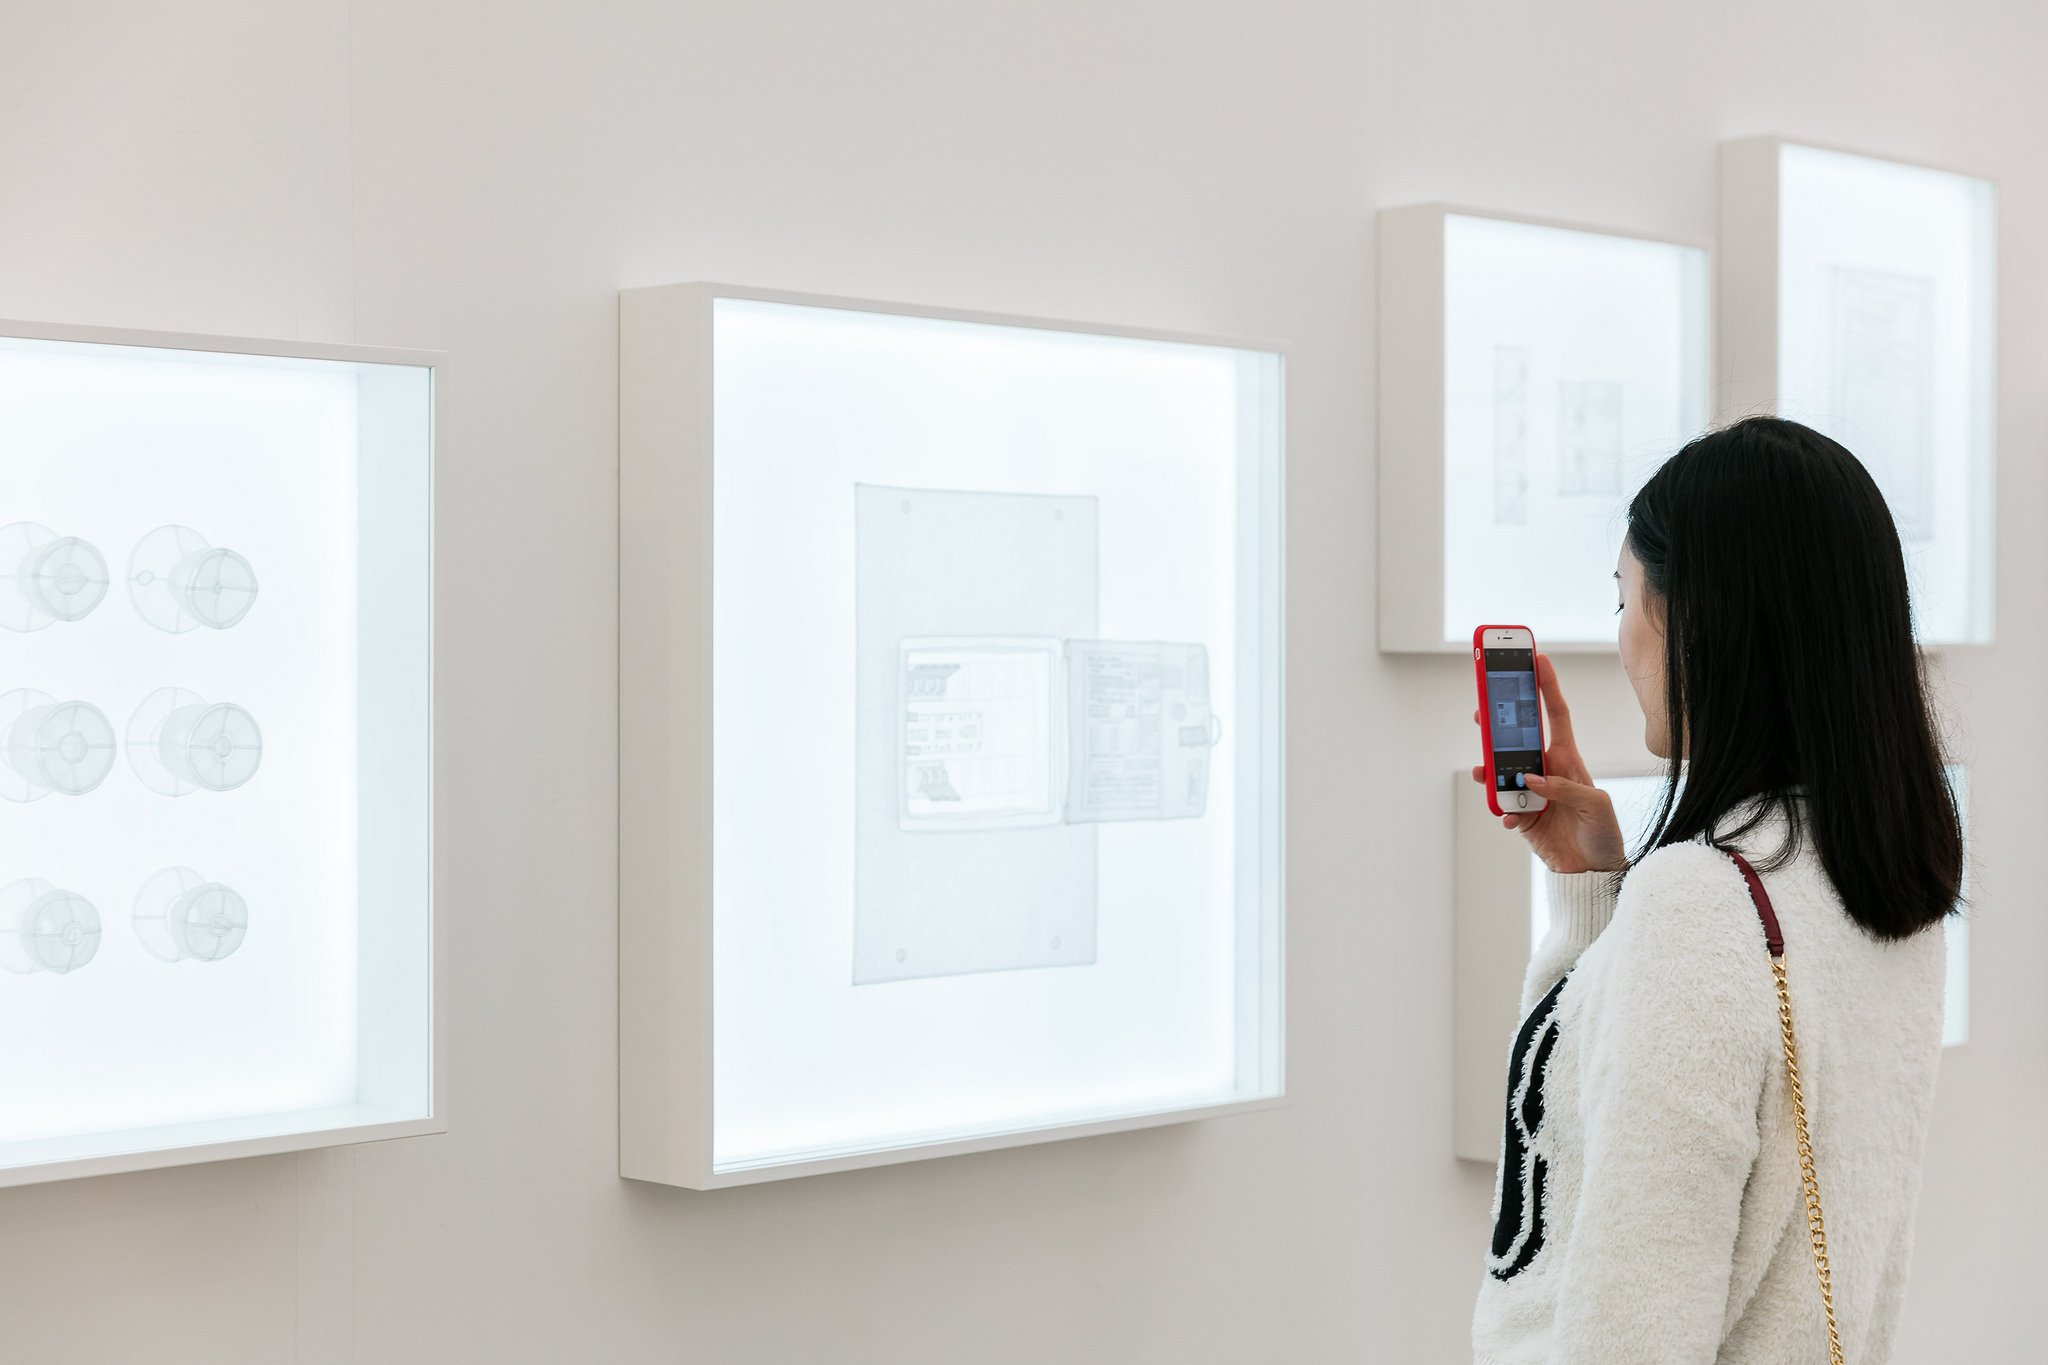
{"points": [[1504, 661]]}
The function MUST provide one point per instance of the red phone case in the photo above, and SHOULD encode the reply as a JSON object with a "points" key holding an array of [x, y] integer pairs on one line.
{"points": [[1486, 730]]}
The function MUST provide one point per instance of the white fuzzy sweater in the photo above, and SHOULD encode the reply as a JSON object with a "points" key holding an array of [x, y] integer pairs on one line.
{"points": [[1648, 1206]]}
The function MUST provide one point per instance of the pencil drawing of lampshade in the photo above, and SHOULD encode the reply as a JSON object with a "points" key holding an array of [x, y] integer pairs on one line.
{"points": [[180, 581], [45, 929], [46, 578], [180, 916], [47, 745], [180, 743]]}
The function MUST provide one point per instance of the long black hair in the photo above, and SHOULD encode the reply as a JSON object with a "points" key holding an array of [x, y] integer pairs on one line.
{"points": [[1789, 664]]}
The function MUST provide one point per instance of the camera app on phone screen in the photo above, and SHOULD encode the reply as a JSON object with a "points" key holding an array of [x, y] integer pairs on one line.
{"points": [[1512, 722]]}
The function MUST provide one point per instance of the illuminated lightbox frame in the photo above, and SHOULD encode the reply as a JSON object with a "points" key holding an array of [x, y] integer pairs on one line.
{"points": [[216, 588], [1501, 913], [950, 682], [1858, 295], [1531, 375]]}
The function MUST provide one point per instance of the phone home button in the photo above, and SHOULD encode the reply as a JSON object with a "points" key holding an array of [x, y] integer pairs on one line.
{"points": [[1521, 800]]}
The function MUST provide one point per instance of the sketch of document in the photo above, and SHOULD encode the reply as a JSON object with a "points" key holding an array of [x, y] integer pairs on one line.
{"points": [[979, 729], [1883, 386], [1510, 436], [1141, 730], [1589, 446]]}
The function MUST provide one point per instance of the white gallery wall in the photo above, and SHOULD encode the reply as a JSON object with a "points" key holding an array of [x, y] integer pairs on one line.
{"points": [[483, 177]]}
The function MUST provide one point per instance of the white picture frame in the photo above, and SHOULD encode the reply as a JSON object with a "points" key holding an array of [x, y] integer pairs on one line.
{"points": [[1531, 374], [1859, 295], [260, 519], [795, 998]]}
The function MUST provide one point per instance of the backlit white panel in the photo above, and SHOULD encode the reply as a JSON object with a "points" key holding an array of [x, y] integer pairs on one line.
{"points": [[993, 798], [1574, 362], [1531, 376], [215, 750]]}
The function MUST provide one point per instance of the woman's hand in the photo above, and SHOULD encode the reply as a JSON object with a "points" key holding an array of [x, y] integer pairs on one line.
{"points": [[1576, 831]]}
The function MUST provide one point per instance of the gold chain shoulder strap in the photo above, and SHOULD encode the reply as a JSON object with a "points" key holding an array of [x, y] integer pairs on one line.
{"points": [[1816, 1227]]}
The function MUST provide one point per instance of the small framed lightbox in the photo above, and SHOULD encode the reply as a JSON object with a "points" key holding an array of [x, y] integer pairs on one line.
{"points": [[217, 820], [951, 693], [1531, 376], [1859, 296]]}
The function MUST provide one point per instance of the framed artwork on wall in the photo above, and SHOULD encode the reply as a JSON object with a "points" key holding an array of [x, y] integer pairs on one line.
{"points": [[951, 691], [1859, 296], [217, 826], [1531, 376]]}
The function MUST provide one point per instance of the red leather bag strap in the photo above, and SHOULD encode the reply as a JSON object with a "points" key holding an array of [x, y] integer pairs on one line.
{"points": [[1816, 1226], [1762, 900]]}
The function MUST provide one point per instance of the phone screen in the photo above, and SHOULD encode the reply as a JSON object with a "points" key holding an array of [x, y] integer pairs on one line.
{"points": [[1512, 724]]}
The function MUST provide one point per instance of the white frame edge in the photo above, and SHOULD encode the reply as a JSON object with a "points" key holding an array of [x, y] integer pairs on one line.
{"points": [[1411, 426], [436, 361], [1022, 1137], [665, 470], [160, 1158], [666, 1079]]}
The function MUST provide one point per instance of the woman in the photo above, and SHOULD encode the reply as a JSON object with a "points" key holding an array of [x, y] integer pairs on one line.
{"points": [[1649, 1204]]}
